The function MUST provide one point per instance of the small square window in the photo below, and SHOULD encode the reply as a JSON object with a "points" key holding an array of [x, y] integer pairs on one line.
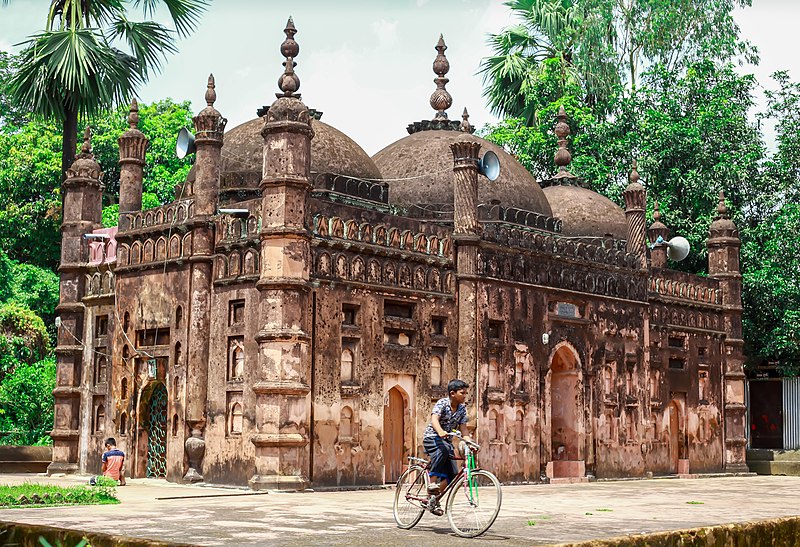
{"points": [[701, 351], [496, 330], [677, 364], [676, 341], [349, 314], [101, 325], [437, 326]]}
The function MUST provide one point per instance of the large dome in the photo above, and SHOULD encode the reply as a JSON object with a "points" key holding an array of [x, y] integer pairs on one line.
{"points": [[586, 213], [331, 152], [424, 159]]}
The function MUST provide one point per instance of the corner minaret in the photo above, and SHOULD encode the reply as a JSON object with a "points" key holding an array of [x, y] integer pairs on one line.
{"points": [[282, 378], [723, 265], [132, 147], [209, 128], [83, 192], [658, 252], [635, 197]]}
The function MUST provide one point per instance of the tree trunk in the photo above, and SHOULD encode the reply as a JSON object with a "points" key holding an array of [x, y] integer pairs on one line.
{"points": [[69, 144]]}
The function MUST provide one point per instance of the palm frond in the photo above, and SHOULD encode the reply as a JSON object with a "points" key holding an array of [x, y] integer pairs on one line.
{"points": [[149, 42], [184, 13]]}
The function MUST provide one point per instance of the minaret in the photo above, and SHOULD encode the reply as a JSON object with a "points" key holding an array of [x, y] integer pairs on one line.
{"points": [[209, 128], [723, 265], [658, 254], [282, 379], [83, 193], [635, 197], [132, 146]]}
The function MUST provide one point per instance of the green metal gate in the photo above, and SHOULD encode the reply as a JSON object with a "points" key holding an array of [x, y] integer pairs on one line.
{"points": [[157, 433]]}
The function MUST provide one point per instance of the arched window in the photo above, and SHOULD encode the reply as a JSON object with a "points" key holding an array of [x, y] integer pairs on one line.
{"points": [[493, 373], [519, 372], [654, 384], [494, 425], [519, 427], [174, 425], [436, 370], [99, 418], [347, 365], [608, 380], [236, 419], [346, 424], [178, 317], [123, 388], [101, 369], [123, 424], [126, 321], [177, 353], [236, 357], [126, 351]]}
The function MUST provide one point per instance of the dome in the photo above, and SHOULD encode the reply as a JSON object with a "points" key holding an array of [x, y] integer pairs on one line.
{"points": [[586, 213], [428, 153], [331, 152]]}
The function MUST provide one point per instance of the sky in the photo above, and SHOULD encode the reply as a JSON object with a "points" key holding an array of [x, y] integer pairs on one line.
{"points": [[365, 64]]}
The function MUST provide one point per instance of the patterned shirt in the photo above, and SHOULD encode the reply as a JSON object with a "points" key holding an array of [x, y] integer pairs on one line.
{"points": [[448, 419], [114, 460]]}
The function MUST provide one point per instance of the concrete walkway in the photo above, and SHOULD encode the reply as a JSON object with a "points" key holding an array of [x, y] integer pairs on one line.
{"points": [[531, 515]]}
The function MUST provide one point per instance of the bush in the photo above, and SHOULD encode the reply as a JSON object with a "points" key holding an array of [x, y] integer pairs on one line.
{"points": [[26, 403]]}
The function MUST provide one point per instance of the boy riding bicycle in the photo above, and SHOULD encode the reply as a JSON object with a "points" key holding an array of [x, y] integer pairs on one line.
{"points": [[449, 414]]}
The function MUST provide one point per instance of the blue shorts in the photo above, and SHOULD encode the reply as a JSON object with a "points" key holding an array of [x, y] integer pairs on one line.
{"points": [[441, 454]]}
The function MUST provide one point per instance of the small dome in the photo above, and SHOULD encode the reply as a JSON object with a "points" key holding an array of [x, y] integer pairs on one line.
{"points": [[331, 152], [428, 153], [586, 213]]}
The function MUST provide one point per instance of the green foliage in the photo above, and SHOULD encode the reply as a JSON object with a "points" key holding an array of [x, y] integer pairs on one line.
{"points": [[35, 288], [23, 337], [111, 212], [32, 494], [160, 122], [600, 45], [26, 403]]}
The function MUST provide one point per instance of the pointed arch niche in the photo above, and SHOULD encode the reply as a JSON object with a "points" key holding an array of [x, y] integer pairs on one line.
{"points": [[567, 428]]}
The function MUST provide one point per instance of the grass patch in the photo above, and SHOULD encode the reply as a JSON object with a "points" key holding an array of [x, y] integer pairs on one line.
{"points": [[45, 495], [604, 510], [695, 502], [532, 520]]}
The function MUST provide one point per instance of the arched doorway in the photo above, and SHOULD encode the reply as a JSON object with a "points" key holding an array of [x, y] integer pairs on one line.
{"points": [[153, 422], [566, 415], [394, 449]]}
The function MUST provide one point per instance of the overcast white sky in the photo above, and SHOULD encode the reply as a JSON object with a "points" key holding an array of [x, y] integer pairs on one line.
{"points": [[366, 64]]}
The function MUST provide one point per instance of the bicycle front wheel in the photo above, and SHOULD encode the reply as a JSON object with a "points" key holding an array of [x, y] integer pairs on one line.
{"points": [[473, 505], [410, 495]]}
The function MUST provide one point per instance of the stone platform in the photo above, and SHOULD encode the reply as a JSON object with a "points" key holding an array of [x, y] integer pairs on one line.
{"points": [[531, 514], [774, 462]]}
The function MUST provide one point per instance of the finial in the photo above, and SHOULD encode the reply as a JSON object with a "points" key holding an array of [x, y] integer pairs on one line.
{"points": [[563, 157], [722, 209], [465, 125], [441, 100], [634, 176], [656, 213], [211, 92], [133, 115], [289, 83], [86, 147]]}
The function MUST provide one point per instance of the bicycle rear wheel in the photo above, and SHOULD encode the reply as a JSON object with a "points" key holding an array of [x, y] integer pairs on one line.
{"points": [[473, 506], [410, 494]]}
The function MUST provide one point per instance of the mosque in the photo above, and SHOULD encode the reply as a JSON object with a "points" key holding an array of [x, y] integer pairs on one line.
{"points": [[291, 317]]}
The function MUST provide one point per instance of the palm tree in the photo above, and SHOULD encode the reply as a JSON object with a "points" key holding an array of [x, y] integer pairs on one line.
{"points": [[556, 36], [77, 66]]}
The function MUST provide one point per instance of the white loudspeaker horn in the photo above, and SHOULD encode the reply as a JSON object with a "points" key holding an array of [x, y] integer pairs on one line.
{"points": [[677, 248], [185, 144], [489, 166]]}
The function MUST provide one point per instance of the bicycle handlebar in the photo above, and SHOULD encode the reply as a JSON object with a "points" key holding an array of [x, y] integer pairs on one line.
{"points": [[471, 444]]}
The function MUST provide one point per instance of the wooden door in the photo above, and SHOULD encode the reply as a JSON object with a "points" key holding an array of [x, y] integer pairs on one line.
{"points": [[393, 434], [674, 437]]}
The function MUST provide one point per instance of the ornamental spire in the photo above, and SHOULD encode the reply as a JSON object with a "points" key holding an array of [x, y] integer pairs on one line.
{"points": [[465, 125], [133, 115], [211, 91], [86, 147], [441, 99], [562, 157], [722, 209], [289, 82], [656, 213], [634, 176]]}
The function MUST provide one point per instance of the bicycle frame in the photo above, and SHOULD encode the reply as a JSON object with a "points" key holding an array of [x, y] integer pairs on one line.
{"points": [[467, 468]]}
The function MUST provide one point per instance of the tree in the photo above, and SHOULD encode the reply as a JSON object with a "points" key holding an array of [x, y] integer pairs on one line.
{"points": [[74, 69], [26, 403], [602, 44]]}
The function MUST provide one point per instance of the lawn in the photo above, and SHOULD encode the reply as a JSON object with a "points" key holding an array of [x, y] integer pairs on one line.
{"points": [[44, 495]]}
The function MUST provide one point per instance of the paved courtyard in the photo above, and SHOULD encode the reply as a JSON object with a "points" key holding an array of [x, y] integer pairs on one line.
{"points": [[531, 515]]}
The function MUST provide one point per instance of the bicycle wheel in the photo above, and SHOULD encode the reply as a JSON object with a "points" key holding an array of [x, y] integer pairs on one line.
{"points": [[410, 495], [473, 506]]}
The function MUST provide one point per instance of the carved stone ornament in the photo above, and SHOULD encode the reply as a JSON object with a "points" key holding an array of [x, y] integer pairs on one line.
{"points": [[85, 167], [195, 447]]}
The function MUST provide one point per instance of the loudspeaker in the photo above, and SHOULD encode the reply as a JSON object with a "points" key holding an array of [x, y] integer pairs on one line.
{"points": [[489, 166], [677, 248], [185, 144]]}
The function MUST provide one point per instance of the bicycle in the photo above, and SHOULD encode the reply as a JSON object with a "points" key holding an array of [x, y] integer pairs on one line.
{"points": [[473, 496]]}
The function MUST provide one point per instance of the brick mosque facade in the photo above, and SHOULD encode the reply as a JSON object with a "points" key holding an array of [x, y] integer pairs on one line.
{"points": [[292, 316]]}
